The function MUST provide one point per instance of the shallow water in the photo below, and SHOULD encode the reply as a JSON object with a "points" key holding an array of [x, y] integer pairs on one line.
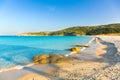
{"points": [[19, 50]]}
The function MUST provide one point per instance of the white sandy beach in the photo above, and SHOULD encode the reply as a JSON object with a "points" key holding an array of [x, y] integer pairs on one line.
{"points": [[99, 62]]}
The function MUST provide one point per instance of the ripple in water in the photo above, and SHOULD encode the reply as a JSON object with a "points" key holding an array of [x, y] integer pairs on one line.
{"points": [[20, 50]]}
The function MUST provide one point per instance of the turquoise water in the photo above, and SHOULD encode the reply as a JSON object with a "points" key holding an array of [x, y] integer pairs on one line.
{"points": [[18, 50]]}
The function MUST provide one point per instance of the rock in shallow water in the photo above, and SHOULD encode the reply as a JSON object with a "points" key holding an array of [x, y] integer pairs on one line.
{"points": [[50, 58]]}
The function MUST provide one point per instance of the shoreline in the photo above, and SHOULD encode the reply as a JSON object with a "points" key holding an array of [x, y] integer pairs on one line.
{"points": [[17, 67], [83, 48], [89, 42], [88, 54], [94, 67]]}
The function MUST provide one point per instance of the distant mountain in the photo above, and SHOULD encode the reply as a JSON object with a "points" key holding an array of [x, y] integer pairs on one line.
{"points": [[79, 30]]}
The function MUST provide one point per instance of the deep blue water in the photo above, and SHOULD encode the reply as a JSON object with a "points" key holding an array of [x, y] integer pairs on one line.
{"points": [[18, 50]]}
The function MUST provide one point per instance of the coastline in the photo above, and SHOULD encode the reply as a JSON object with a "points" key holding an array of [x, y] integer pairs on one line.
{"points": [[96, 69], [17, 67], [108, 59]]}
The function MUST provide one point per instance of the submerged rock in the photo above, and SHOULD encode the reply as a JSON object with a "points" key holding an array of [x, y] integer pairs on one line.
{"points": [[50, 58]]}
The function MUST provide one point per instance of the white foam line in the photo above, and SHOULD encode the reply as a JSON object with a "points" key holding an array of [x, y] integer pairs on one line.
{"points": [[18, 67], [88, 43], [91, 40], [83, 47]]}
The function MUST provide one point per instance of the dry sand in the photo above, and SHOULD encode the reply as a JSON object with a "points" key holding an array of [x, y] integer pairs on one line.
{"points": [[99, 62]]}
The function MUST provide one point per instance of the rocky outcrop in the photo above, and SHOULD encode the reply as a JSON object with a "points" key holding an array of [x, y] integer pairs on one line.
{"points": [[50, 58], [75, 49]]}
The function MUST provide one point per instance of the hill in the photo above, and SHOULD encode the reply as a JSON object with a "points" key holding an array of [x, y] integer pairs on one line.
{"points": [[79, 30]]}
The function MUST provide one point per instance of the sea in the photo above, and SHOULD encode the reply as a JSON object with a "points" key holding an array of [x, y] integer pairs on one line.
{"points": [[20, 50]]}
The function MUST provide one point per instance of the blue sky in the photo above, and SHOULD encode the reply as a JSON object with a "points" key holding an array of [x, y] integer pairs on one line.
{"points": [[18, 16]]}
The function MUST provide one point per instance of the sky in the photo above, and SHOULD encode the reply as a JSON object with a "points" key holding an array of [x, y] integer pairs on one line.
{"points": [[17, 16]]}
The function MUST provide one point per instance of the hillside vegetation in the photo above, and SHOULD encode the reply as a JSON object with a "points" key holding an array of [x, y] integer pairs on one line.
{"points": [[80, 30]]}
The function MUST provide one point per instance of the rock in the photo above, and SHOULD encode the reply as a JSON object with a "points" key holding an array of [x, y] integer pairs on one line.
{"points": [[75, 49], [50, 58], [86, 46]]}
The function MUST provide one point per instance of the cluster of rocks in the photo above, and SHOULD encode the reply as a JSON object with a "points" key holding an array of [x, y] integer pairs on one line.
{"points": [[50, 58], [74, 49]]}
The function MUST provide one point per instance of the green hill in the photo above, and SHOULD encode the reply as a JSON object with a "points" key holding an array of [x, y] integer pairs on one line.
{"points": [[80, 30]]}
